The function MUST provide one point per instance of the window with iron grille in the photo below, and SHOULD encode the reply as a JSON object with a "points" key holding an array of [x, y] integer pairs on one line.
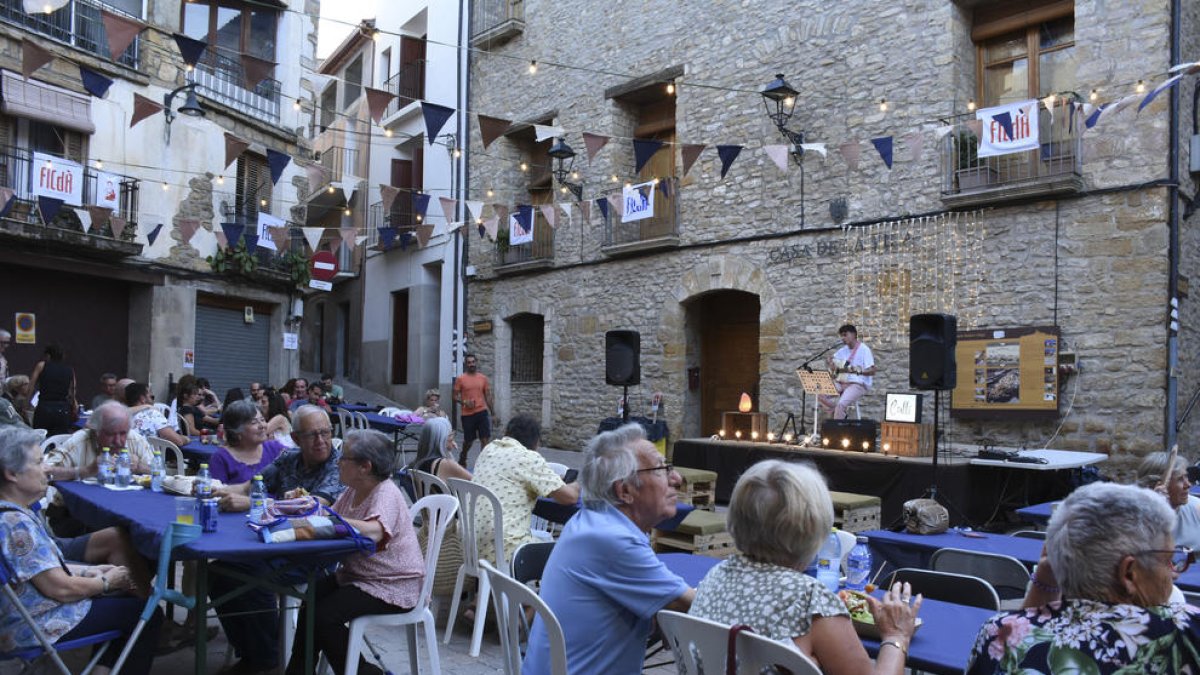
{"points": [[528, 343]]}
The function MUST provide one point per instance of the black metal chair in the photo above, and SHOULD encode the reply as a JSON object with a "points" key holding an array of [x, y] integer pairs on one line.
{"points": [[529, 560], [961, 589], [1030, 534], [1007, 575]]}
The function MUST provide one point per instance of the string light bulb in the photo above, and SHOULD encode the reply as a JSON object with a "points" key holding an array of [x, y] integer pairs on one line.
{"points": [[99, 164], [330, 190], [615, 179], [457, 153], [491, 193], [1140, 87], [1050, 98], [296, 104], [971, 105], [263, 202], [533, 67], [1094, 95], [883, 105], [524, 166], [165, 186], [387, 132], [574, 175], [220, 180], [420, 217], [671, 88], [347, 211]]}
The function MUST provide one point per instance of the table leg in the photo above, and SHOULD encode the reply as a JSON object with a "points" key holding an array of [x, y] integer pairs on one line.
{"points": [[201, 617], [310, 598]]}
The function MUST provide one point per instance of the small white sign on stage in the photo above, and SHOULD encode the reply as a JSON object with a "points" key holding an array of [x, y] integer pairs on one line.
{"points": [[639, 202], [58, 178]]}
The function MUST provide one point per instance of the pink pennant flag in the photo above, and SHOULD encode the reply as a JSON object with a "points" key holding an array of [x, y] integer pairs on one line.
{"points": [[33, 57], [348, 234], [491, 226], [222, 241], [98, 214], [318, 176], [424, 232], [234, 147], [6, 195], [779, 155], [117, 224], [143, 108], [187, 228], [121, 31], [282, 237], [501, 211], [594, 143], [617, 204], [916, 143], [377, 102], [850, 153], [976, 127], [388, 194], [690, 152], [585, 207], [335, 244], [448, 207], [551, 214]]}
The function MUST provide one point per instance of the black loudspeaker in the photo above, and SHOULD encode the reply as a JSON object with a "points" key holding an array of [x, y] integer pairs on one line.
{"points": [[931, 342], [622, 357], [856, 435]]}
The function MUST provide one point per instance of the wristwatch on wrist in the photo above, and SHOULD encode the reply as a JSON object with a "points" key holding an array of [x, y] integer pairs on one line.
{"points": [[104, 581]]}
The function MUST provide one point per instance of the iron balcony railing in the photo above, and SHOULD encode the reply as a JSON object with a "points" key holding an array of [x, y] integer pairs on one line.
{"points": [[492, 16], [339, 161], [408, 84], [223, 79], [541, 248], [664, 224], [77, 24], [402, 218], [247, 216], [1059, 156], [16, 172]]}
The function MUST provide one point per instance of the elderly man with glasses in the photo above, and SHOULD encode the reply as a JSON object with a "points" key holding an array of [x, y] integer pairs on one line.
{"points": [[603, 581]]}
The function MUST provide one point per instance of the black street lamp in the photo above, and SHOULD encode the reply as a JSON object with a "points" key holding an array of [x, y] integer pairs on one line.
{"points": [[563, 165], [780, 100], [191, 106]]}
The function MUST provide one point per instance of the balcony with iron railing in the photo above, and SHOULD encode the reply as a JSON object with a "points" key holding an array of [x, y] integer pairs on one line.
{"points": [[271, 264], [658, 231], [221, 78], [1055, 168], [402, 218], [495, 21], [536, 254], [339, 161], [77, 24], [16, 172], [408, 84]]}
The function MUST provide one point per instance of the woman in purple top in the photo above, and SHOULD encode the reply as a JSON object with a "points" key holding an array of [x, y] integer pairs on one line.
{"points": [[247, 450]]}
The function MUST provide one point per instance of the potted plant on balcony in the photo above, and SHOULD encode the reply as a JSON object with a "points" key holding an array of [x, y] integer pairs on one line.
{"points": [[968, 172]]}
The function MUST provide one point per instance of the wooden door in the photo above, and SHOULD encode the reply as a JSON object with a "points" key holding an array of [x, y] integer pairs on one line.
{"points": [[728, 322]]}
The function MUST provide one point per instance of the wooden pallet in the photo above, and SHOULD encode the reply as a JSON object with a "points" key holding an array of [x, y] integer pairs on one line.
{"points": [[712, 545], [854, 512], [699, 488]]}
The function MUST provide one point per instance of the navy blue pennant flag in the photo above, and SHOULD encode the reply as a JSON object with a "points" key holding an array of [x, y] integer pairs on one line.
{"points": [[150, 238], [96, 84], [420, 203], [49, 206], [1095, 116], [603, 204], [664, 186], [1005, 121], [883, 145], [482, 232], [406, 239], [387, 237], [524, 216], [278, 162], [727, 153], [233, 233], [643, 150], [251, 241], [435, 117], [190, 48]]}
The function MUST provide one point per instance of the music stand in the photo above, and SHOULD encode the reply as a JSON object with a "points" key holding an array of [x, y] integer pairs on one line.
{"points": [[817, 383]]}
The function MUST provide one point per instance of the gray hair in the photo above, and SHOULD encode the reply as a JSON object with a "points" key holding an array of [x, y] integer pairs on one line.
{"points": [[608, 459], [1153, 469], [5, 334], [1096, 527], [306, 410], [14, 445], [371, 446], [780, 513], [432, 442], [107, 416], [235, 417]]}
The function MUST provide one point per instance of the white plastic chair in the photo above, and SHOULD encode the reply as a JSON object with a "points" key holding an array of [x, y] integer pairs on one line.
{"points": [[54, 441], [360, 421], [510, 596], [468, 495], [700, 646], [425, 484], [438, 511], [345, 422], [169, 449], [759, 653], [560, 469]]}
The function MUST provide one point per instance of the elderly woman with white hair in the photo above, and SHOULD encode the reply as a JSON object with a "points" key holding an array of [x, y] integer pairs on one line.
{"points": [[1173, 484], [435, 451], [779, 515], [1099, 600]]}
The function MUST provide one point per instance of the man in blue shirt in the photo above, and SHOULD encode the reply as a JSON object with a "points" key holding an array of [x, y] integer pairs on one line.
{"points": [[603, 581]]}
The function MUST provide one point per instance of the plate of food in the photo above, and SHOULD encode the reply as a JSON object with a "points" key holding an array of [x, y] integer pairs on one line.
{"points": [[860, 614]]}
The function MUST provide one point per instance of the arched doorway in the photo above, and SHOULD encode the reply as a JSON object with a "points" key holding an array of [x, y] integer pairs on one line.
{"points": [[723, 330]]}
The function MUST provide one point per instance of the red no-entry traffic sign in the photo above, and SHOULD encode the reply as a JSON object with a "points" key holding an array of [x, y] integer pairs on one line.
{"points": [[323, 266]]}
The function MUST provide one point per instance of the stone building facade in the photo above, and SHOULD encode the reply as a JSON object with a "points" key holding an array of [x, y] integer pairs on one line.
{"points": [[1085, 244]]}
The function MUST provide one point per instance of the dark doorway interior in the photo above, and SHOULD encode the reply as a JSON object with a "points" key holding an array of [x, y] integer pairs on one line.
{"points": [[728, 327]]}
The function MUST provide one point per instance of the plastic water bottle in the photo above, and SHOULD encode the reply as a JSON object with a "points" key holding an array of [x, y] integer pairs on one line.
{"points": [[104, 468], [858, 565], [124, 469], [157, 472], [203, 483], [258, 499], [829, 562]]}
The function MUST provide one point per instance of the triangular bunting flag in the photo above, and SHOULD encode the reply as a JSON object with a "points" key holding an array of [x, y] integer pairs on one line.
{"points": [[153, 234], [121, 31], [358, 241], [143, 108], [222, 242], [33, 57], [234, 147], [313, 236], [187, 228], [544, 131], [501, 211], [99, 215], [420, 204], [491, 227], [690, 152], [233, 233], [317, 81], [566, 208], [377, 102], [85, 219], [617, 204], [551, 214], [778, 154], [941, 130], [349, 234], [190, 48], [350, 186], [915, 142], [664, 186], [318, 176], [335, 244], [255, 70], [448, 207], [117, 224], [1093, 118], [1172, 81], [594, 143], [424, 232], [818, 148], [976, 127], [388, 194], [405, 240], [278, 161], [727, 153], [883, 145], [1004, 119], [251, 240], [282, 236], [850, 152], [6, 200], [586, 209], [482, 230], [96, 84], [48, 207], [387, 236], [643, 150], [475, 207], [603, 204], [491, 128], [435, 118], [43, 6]]}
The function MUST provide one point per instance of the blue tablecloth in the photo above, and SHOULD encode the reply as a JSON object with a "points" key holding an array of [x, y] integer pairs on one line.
{"points": [[1038, 514], [384, 422], [356, 407], [198, 452], [901, 549], [691, 568]]}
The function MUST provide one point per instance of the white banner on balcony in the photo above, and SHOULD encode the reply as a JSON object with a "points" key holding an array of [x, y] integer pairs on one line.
{"points": [[58, 178], [108, 190], [1008, 128], [266, 222], [639, 202], [517, 234]]}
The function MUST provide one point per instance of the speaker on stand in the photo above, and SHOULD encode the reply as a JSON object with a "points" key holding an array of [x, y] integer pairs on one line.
{"points": [[932, 339], [623, 363]]}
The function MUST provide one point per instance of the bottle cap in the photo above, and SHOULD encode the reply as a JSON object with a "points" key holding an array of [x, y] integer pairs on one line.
{"points": [[203, 466], [258, 476]]}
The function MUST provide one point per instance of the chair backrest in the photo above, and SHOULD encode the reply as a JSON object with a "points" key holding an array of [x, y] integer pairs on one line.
{"points": [[529, 560], [560, 469], [54, 441], [169, 451], [961, 589], [1006, 574], [436, 511], [185, 424], [509, 596], [1030, 534], [360, 421], [469, 494], [425, 483], [345, 422], [756, 653], [700, 646]]}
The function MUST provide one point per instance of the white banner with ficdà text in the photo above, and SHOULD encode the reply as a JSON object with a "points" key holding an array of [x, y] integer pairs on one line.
{"points": [[58, 178], [639, 202], [1008, 128]]}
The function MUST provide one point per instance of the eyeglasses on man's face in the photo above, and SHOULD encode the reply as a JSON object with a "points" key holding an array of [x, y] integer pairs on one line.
{"points": [[316, 433], [1181, 559], [665, 468]]}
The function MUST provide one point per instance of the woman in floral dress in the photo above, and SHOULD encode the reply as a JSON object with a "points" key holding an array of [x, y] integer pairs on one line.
{"points": [[1099, 600]]}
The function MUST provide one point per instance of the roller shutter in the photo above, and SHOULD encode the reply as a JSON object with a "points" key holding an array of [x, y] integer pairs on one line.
{"points": [[229, 351]]}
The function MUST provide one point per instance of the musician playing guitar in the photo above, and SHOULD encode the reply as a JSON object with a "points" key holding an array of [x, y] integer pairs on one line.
{"points": [[853, 366]]}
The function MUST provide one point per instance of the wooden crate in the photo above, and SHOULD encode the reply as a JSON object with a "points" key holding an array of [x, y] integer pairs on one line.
{"points": [[701, 532], [699, 487], [854, 512], [747, 423], [907, 440]]}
